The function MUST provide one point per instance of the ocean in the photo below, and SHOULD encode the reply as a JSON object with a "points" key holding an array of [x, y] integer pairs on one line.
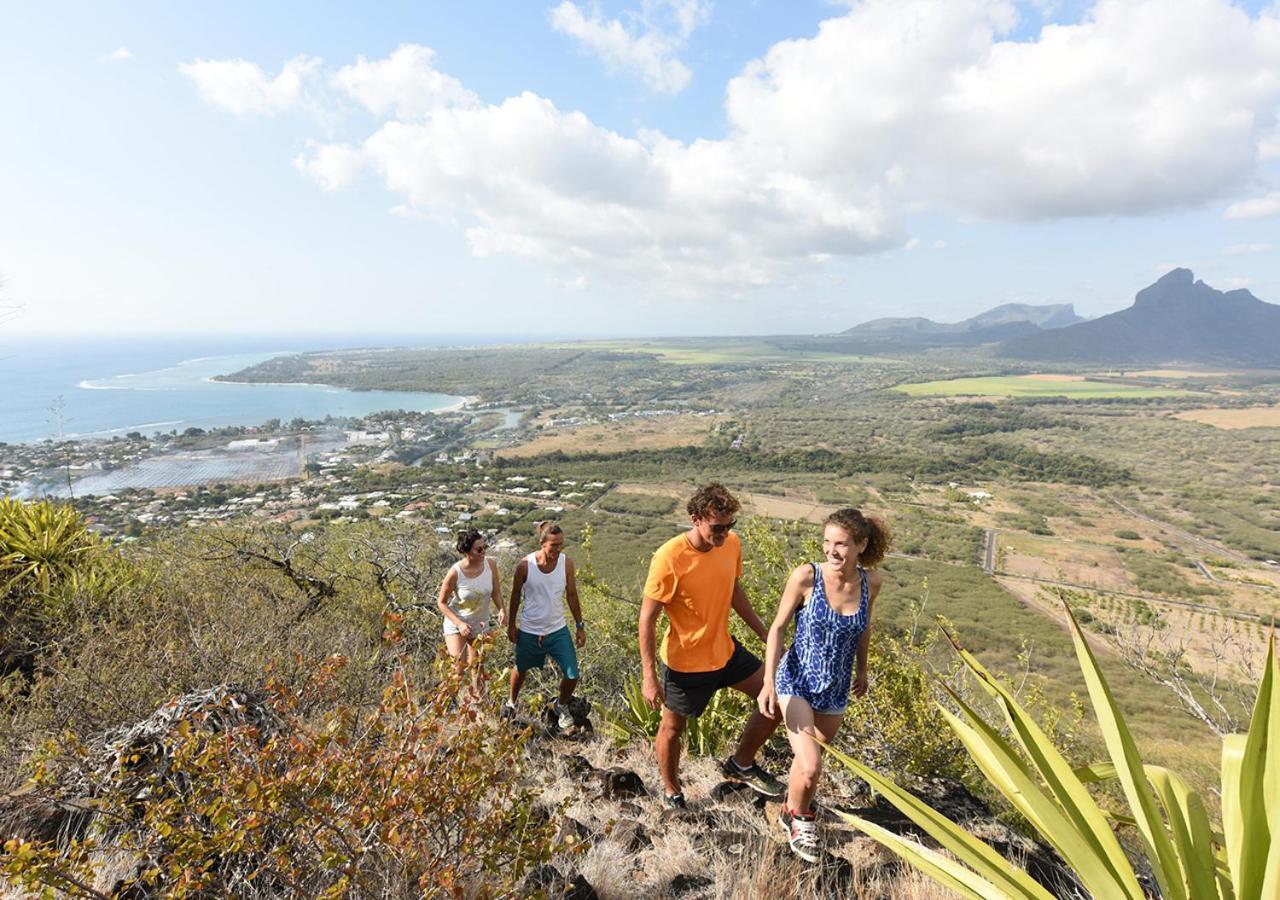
{"points": [[97, 387]]}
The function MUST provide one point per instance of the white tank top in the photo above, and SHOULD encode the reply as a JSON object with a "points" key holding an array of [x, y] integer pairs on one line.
{"points": [[542, 606], [472, 595]]}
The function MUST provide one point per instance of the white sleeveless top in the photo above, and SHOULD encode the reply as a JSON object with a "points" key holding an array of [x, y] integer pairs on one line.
{"points": [[542, 606], [472, 595]]}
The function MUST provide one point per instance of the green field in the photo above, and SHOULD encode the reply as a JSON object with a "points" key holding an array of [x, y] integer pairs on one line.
{"points": [[1030, 386]]}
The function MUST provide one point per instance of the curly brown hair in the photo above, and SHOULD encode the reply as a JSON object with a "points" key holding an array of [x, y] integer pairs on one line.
{"points": [[861, 528], [712, 499], [466, 539]]}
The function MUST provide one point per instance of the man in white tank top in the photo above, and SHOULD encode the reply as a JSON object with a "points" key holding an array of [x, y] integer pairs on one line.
{"points": [[536, 623]]}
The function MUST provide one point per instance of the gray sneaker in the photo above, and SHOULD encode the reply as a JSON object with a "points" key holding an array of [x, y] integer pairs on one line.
{"points": [[753, 777], [564, 716], [802, 834], [508, 711]]}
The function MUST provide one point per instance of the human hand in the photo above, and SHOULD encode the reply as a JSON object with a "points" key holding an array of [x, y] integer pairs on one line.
{"points": [[860, 684], [652, 692], [465, 630], [511, 632], [581, 639], [502, 618], [768, 701]]}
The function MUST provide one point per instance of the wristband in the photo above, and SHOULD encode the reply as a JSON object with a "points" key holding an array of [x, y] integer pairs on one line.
{"points": [[580, 626]]}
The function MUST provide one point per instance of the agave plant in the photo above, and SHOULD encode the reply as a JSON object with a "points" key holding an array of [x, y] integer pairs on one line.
{"points": [[40, 544], [1189, 857]]}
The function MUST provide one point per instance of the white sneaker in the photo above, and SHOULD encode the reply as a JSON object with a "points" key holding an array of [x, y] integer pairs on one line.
{"points": [[508, 711], [564, 718]]}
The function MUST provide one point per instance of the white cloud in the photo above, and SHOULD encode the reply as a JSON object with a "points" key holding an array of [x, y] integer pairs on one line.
{"points": [[241, 87], [331, 166], [1233, 282], [894, 109], [1257, 208], [939, 245], [120, 54], [911, 244], [1245, 249], [406, 83], [650, 49]]}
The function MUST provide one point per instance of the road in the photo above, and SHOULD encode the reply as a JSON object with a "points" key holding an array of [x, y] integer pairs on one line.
{"points": [[1217, 549], [1148, 598], [990, 538]]}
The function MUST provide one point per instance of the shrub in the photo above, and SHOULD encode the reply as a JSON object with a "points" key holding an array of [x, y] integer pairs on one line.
{"points": [[1128, 534], [405, 798], [1188, 855]]}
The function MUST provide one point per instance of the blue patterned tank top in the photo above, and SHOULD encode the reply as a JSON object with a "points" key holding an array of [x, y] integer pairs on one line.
{"points": [[819, 664]]}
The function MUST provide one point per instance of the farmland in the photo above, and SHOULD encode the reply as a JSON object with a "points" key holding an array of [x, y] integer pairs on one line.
{"points": [[1070, 386]]}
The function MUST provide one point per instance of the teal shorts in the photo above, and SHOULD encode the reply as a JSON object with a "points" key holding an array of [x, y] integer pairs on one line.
{"points": [[532, 651]]}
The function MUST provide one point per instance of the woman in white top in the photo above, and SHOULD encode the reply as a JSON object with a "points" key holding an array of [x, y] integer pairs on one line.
{"points": [[469, 591]]}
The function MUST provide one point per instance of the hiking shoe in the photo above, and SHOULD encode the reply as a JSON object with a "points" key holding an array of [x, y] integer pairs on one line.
{"points": [[508, 711], [753, 777], [802, 834], [674, 801], [564, 716]]}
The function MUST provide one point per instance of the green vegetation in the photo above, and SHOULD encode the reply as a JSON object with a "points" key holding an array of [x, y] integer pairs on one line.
{"points": [[1030, 386], [1189, 855], [637, 504]]}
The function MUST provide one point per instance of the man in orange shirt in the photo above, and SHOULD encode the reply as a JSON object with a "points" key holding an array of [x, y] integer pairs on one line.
{"points": [[695, 579]]}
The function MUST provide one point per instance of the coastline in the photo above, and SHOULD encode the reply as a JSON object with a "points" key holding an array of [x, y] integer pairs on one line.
{"points": [[460, 403]]}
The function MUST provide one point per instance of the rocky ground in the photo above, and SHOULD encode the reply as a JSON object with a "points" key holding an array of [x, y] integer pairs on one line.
{"points": [[729, 844], [622, 842]]}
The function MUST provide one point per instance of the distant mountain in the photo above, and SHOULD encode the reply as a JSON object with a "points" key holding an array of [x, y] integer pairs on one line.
{"points": [[998, 324], [1177, 319]]}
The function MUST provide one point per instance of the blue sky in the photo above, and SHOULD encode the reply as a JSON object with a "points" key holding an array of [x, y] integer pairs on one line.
{"points": [[659, 167]]}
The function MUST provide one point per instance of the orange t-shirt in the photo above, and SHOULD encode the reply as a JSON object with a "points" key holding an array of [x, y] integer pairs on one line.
{"points": [[695, 589]]}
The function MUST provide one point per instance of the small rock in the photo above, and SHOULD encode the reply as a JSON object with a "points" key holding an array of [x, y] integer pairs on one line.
{"points": [[631, 810], [573, 831], [617, 783], [686, 885], [631, 835], [726, 790], [579, 765], [734, 843], [545, 878], [579, 889]]}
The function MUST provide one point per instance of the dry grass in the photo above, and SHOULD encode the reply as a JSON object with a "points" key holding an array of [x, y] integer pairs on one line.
{"points": [[1232, 419], [734, 845], [646, 434]]}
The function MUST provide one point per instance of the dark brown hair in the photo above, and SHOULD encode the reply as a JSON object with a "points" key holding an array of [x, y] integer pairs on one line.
{"points": [[712, 499], [467, 539], [546, 529], [861, 528]]}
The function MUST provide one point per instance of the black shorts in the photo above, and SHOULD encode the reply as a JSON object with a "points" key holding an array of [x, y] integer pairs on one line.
{"points": [[688, 693]]}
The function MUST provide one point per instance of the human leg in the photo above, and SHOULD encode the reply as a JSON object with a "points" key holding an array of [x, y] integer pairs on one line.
{"points": [[667, 747], [456, 645], [759, 727], [803, 726], [559, 646]]}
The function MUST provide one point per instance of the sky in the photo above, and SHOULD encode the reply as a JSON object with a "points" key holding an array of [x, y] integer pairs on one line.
{"points": [[643, 167]]}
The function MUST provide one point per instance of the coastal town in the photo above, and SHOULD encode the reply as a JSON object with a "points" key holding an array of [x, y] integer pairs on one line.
{"points": [[433, 469]]}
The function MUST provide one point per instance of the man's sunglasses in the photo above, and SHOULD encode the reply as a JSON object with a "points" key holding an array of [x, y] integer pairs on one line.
{"points": [[723, 529]]}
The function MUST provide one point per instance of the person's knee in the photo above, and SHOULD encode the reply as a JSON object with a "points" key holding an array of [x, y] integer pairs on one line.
{"points": [[808, 769], [671, 728]]}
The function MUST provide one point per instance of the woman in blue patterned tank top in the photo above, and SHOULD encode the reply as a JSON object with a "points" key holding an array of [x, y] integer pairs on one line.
{"points": [[810, 684]]}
